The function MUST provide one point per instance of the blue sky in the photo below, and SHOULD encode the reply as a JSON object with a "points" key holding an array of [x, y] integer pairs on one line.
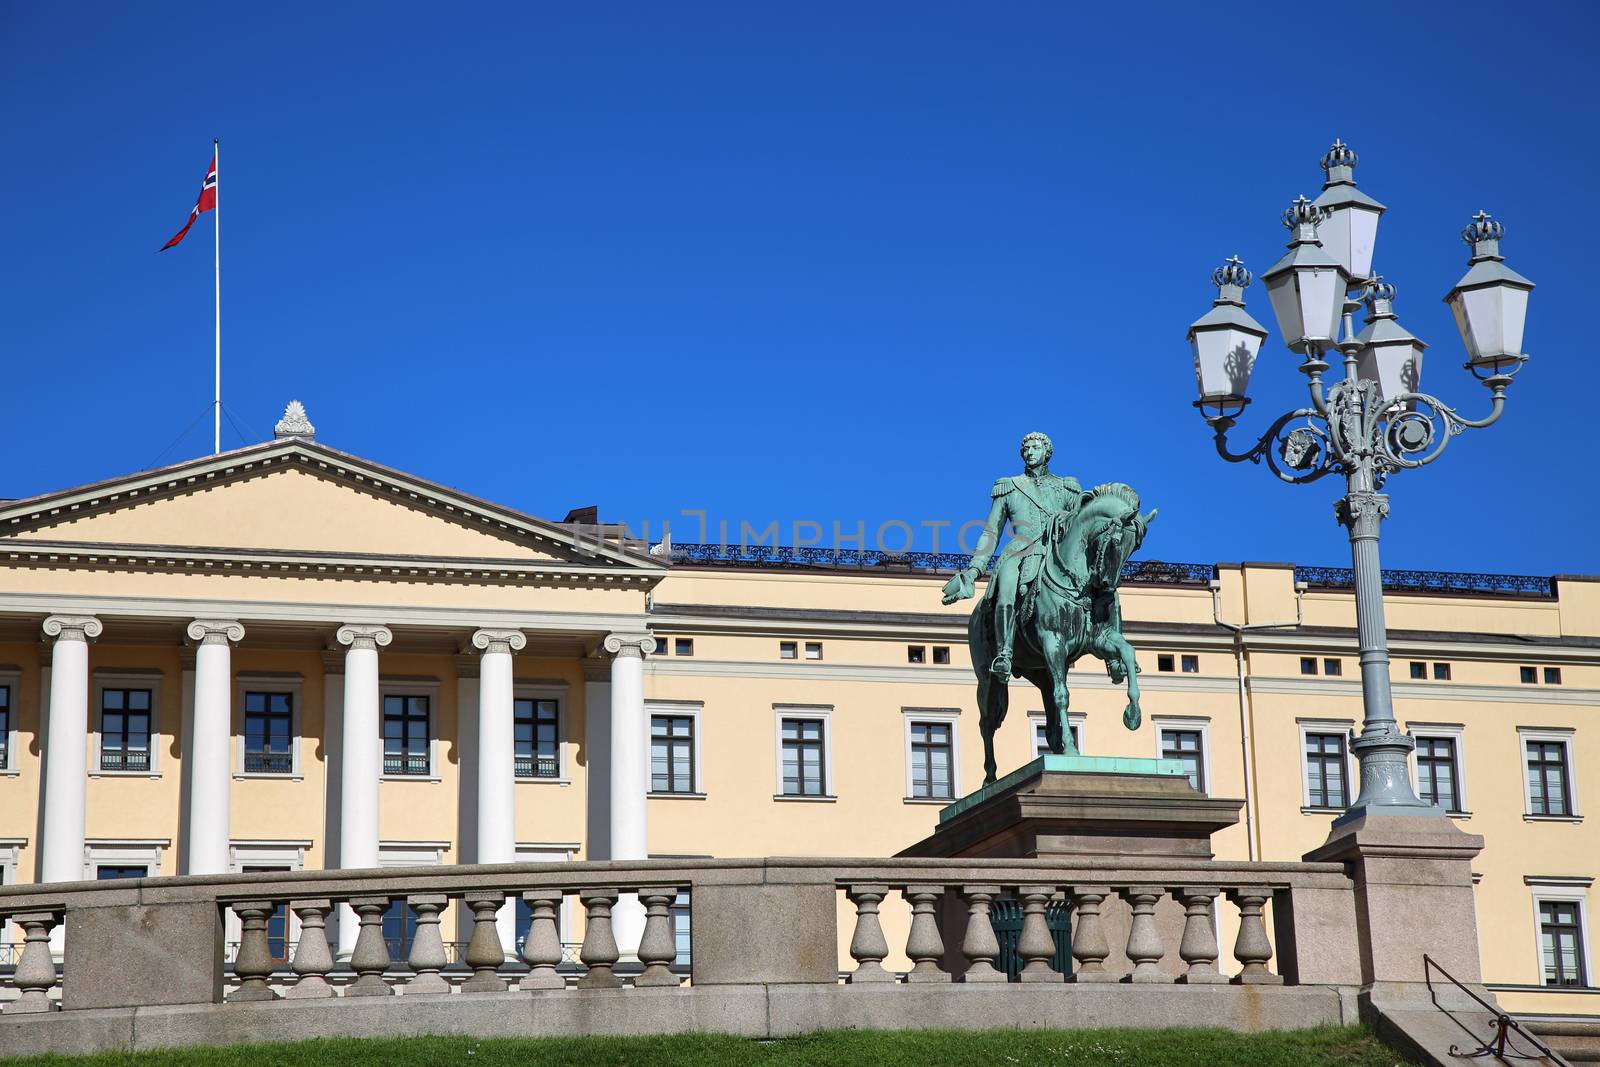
{"points": [[822, 262]]}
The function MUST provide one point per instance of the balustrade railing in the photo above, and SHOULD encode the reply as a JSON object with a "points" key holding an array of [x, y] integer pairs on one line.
{"points": [[754, 922]]}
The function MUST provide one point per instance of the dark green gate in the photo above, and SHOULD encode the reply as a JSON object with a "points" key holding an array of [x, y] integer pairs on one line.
{"points": [[1005, 914]]}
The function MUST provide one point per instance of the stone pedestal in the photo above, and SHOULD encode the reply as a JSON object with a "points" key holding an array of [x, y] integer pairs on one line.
{"points": [[1071, 806], [1059, 806]]}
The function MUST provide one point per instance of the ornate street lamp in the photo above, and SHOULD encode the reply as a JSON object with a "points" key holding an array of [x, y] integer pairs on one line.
{"points": [[1371, 424]]}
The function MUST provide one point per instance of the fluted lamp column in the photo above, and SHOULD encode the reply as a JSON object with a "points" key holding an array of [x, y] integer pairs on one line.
{"points": [[497, 769], [210, 767], [629, 774]]}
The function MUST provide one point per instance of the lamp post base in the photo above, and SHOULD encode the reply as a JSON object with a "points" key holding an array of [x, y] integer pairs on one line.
{"points": [[1384, 756]]}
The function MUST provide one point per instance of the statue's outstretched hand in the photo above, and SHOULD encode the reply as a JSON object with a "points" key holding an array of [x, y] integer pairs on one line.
{"points": [[959, 587]]}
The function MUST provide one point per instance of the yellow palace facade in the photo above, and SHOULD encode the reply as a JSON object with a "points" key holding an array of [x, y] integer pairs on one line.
{"points": [[288, 657]]}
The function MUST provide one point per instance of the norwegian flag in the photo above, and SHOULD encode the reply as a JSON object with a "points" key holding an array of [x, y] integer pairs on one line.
{"points": [[206, 202]]}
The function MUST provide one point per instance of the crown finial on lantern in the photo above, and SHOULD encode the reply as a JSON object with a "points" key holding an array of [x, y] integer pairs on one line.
{"points": [[1232, 272], [1340, 155], [1483, 227], [1377, 289], [1301, 213]]}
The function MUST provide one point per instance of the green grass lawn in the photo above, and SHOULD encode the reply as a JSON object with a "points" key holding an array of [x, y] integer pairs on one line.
{"points": [[1327, 1047]]}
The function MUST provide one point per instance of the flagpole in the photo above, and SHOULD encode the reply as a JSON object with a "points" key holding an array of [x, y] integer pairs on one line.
{"points": [[216, 261]]}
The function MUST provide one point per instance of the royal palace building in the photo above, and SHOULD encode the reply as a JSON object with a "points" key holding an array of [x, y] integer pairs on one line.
{"points": [[287, 657]]}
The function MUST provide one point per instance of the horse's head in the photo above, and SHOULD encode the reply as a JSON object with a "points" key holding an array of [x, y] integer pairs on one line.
{"points": [[1110, 528]]}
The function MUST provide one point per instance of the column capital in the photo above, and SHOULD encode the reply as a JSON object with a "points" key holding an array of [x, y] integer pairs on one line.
{"points": [[73, 627], [363, 635], [629, 644], [506, 641], [216, 631]]}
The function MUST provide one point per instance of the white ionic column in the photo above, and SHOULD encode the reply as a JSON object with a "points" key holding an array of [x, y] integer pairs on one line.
{"points": [[210, 766], [66, 762], [497, 768], [629, 774], [361, 758]]}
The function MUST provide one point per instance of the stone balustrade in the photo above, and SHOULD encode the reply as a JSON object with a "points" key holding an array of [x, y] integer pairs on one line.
{"points": [[153, 948]]}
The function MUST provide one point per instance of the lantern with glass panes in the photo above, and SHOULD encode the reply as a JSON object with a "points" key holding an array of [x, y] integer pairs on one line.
{"points": [[1371, 423]]}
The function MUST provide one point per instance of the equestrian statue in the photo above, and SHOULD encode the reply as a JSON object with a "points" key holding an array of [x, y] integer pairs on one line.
{"points": [[1053, 595]]}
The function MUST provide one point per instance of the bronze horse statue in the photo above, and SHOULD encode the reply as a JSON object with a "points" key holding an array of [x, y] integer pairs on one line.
{"points": [[1069, 610]]}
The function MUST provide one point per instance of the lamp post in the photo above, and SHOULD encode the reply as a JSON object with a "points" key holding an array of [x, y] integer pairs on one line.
{"points": [[1367, 426]]}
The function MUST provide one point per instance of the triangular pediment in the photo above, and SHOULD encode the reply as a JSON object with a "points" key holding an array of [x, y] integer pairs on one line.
{"points": [[297, 497]]}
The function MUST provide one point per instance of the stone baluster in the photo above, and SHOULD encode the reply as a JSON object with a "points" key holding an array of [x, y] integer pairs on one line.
{"points": [[1036, 946], [1089, 945], [1144, 936], [370, 957], [868, 946], [657, 948], [979, 945], [599, 952], [485, 953], [312, 956], [1199, 945], [925, 945], [254, 963], [427, 946], [542, 948], [1251, 948], [36, 970]]}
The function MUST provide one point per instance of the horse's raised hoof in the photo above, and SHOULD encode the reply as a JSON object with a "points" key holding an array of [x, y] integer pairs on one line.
{"points": [[1131, 717]]}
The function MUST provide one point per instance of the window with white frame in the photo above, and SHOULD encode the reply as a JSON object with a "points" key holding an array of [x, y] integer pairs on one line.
{"points": [[108, 860], [1561, 915], [268, 736], [804, 756], [1075, 724], [8, 723], [1325, 764], [1440, 771], [1549, 788], [537, 736], [409, 729], [931, 753], [1187, 740], [129, 717], [674, 748]]}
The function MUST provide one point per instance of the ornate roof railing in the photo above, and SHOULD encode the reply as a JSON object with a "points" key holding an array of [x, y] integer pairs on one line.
{"points": [[1137, 572]]}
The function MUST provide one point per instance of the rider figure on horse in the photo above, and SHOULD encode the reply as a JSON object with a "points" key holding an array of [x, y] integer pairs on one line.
{"points": [[1038, 505]]}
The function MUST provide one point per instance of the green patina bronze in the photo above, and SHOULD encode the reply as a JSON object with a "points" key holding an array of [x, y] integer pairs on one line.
{"points": [[1053, 595], [1069, 764]]}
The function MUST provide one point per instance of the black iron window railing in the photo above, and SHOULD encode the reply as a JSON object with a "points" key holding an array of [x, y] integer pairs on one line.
{"points": [[124, 759], [405, 763], [538, 767], [268, 763]]}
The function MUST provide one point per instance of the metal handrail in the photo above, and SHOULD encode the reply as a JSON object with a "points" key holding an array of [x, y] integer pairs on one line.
{"points": [[1495, 1044]]}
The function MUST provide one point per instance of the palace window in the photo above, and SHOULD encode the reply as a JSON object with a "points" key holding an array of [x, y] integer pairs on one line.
{"points": [[1561, 942], [1333, 667], [1419, 670], [803, 760], [1552, 676], [278, 921], [268, 733], [672, 748], [1074, 727], [1190, 664], [1188, 747], [1165, 662], [112, 872], [1325, 771], [1438, 772], [941, 654], [932, 756], [5, 727], [1441, 672], [661, 647], [125, 729], [536, 737], [788, 650], [406, 736], [1308, 665], [1549, 783], [813, 650], [1529, 675], [916, 653], [683, 646]]}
